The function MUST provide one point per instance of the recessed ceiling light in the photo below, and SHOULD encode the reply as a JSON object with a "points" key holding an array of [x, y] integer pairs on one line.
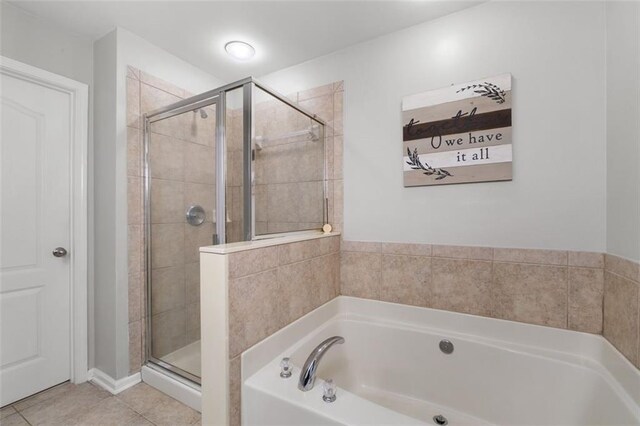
{"points": [[240, 50]]}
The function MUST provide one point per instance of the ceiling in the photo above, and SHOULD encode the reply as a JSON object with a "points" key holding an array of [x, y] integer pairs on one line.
{"points": [[284, 33]]}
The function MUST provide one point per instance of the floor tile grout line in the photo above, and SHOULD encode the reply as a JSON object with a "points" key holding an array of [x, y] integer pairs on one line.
{"points": [[23, 417]]}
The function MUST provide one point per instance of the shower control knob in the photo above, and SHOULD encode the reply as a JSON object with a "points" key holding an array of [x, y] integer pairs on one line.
{"points": [[285, 368], [328, 391]]}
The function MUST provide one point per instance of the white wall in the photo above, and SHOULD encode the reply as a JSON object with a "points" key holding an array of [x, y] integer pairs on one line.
{"points": [[555, 51], [31, 40], [113, 53], [623, 129]]}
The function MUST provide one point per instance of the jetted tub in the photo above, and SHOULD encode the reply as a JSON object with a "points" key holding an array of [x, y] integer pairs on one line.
{"points": [[391, 371]]}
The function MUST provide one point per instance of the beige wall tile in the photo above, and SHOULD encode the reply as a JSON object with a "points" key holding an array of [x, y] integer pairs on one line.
{"points": [[199, 163], [623, 267], [461, 286], [252, 261], [133, 103], [360, 274], [298, 288], [330, 244], [405, 279], [167, 244], [338, 202], [296, 252], [135, 296], [621, 315], [202, 195], [133, 72], [338, 142], [361, 246], [255, 309], [134, 152], [407, 249], [306, 196], [327, 89], [586, 288], [193, 322], [152, 98], [168, 332], [134, 200], [235, 384], [322, 106], [161, 84], [462, 252], [135, 346], [167, 289], [328, 156], [134, 247], [167, 201], [586, 259], [543, 257], [166, 157], [192, 282], [338, 114], [196, 237], [534, 294]]}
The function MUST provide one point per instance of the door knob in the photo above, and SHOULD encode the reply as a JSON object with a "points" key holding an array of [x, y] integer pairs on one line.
{"points": [[60, 252]]}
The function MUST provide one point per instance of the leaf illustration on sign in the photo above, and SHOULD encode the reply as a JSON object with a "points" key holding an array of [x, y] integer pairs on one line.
{"points": [[416, 164], [487, 89]]}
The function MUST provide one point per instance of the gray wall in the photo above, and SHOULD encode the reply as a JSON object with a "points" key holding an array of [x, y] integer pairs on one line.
{"points": [[29, 39], [623, 129], [113, 53], [106, 342], [555, 51]]}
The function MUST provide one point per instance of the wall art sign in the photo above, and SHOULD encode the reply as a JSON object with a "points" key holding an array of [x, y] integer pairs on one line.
{"points": [[458, 134]]}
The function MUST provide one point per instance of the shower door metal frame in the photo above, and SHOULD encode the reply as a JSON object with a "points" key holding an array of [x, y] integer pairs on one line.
{"points": [[218, 97], [148, 119]]}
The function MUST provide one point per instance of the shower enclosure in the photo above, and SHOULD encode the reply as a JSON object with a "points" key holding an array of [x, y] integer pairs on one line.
{"points": [[233, 164]]}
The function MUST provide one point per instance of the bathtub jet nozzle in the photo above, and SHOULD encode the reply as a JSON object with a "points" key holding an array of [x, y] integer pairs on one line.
{"points": [[308, 373]]}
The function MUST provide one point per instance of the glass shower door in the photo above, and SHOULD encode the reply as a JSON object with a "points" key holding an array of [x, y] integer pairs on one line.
{"points": [[181, 203]]}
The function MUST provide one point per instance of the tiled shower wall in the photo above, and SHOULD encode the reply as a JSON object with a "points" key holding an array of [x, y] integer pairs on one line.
{"points": [[289, 162], [182, 157], [578, 291]]}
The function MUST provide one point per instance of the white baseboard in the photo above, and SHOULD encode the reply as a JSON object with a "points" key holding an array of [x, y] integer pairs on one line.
{"points": [[110, 384]]}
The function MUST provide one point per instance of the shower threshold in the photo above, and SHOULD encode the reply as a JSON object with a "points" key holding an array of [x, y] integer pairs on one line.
{"points": [[187, 358]]}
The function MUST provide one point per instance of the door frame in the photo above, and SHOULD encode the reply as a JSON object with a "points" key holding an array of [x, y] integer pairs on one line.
{"points": [[79, 99]]}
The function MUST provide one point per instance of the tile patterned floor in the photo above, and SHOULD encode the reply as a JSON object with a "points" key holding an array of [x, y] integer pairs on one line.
{"points": [[89, 405]]}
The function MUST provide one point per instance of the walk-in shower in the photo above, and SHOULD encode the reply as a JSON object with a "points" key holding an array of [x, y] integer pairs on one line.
{"points": [[233, 164]]}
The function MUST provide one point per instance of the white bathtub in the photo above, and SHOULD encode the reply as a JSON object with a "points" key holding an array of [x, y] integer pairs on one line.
{"points": [[391, 371]]}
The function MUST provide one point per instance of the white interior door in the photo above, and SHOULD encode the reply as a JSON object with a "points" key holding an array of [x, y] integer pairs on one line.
{"points": [[35, 284]]}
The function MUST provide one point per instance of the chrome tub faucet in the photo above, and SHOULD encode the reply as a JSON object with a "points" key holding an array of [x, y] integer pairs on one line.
{"points": [[308, 373]]}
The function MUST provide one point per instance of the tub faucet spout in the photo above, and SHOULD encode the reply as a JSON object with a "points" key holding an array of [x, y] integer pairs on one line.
{"points": [[308, 373]]}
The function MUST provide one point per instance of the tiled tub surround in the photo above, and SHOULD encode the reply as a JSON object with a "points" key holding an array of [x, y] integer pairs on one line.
{"points": [[185, 170], [622, 306], [266, 289], [562, 289]]}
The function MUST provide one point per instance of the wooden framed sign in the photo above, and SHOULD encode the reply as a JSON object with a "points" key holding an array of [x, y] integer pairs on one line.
{"points": [[458, 134]]}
